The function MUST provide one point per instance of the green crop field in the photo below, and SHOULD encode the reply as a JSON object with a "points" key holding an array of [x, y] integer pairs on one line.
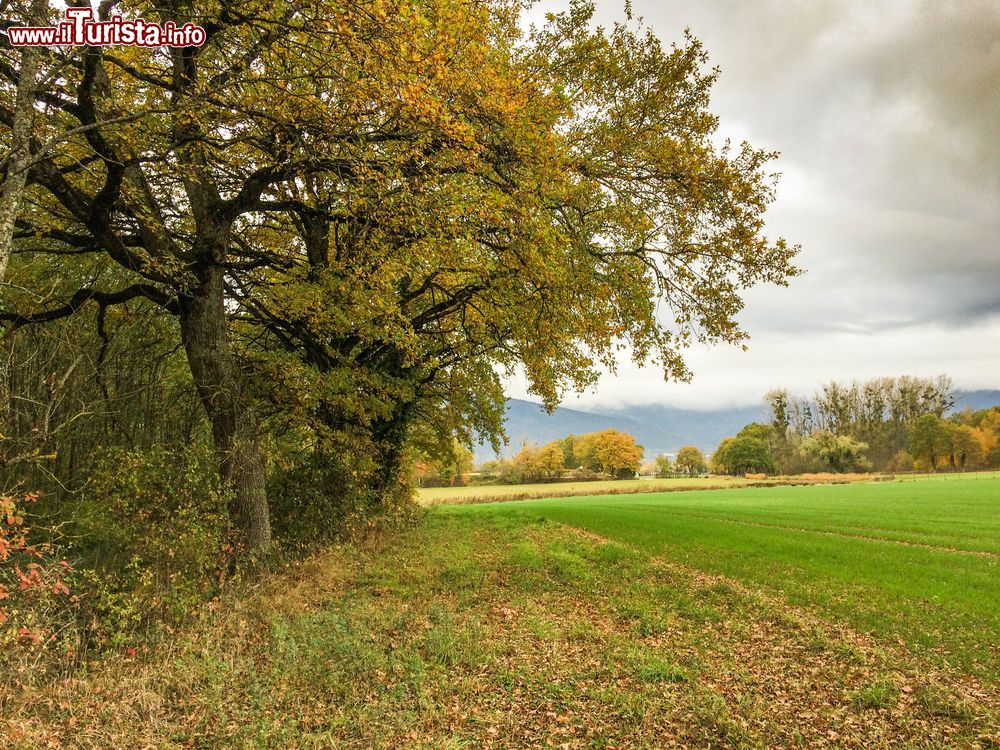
{"points": [[915, 561]]}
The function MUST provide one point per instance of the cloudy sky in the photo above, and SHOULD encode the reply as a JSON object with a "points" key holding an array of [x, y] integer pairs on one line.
{"points": [[887, 115]]}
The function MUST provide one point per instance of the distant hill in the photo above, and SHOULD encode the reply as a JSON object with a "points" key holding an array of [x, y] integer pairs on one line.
{"points": [[657, 428], [702, 429], [976, 400]]}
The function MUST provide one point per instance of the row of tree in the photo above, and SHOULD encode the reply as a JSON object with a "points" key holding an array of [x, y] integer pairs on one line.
{"points": [[608, 453], [689, 462], [886, 424], [966, 440]]}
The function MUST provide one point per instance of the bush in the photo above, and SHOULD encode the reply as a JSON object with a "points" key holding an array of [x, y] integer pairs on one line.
{"points": [[902, 461], [334, 495], [836, 453], [153, 526], [310, 502], [38, 622]]}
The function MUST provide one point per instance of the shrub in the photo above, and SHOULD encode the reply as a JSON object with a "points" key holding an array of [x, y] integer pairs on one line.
{"points": [[153, 524], [902, 461], [836, 453], [334, 495], [38, 623]]}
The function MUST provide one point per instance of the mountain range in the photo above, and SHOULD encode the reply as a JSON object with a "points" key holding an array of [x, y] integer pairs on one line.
{"points": [[657, 428]]}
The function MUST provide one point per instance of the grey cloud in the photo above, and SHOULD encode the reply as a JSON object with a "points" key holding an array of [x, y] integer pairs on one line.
{"points": [[946, 57], [907, 90], [887, 114]]}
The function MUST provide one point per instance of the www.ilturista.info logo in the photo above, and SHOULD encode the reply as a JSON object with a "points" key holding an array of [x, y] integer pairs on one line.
{"points": [[80, 28]]}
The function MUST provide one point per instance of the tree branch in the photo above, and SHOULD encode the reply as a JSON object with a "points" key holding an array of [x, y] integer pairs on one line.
{"points": [[85, 295]]}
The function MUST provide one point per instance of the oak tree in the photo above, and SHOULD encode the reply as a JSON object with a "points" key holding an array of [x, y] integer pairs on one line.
{"points": [[361, 214]]}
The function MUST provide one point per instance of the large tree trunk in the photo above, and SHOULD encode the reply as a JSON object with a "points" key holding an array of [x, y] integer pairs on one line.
{"points": [[390, 439], [204, 331], [19, 158]]}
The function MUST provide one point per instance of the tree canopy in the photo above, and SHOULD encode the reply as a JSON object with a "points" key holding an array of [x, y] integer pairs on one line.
{"points": [[743, 455], [690, 461], [929, 440]]}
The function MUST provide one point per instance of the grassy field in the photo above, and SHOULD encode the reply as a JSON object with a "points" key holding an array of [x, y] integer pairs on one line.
{"points": [[431, 496], [863, 615], [914, 561]]}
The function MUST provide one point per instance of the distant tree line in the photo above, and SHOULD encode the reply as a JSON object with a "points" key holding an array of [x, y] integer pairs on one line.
{"points": [[605, 454], [884, 424], [689, 462]]}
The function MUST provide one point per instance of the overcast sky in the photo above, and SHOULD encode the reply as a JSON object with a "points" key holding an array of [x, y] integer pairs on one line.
{"points": [[887, 115]]}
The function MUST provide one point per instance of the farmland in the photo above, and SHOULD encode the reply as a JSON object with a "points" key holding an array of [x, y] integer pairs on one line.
{"points": [[917, 561], [487, 493], [483, 493], [861, 615]]}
